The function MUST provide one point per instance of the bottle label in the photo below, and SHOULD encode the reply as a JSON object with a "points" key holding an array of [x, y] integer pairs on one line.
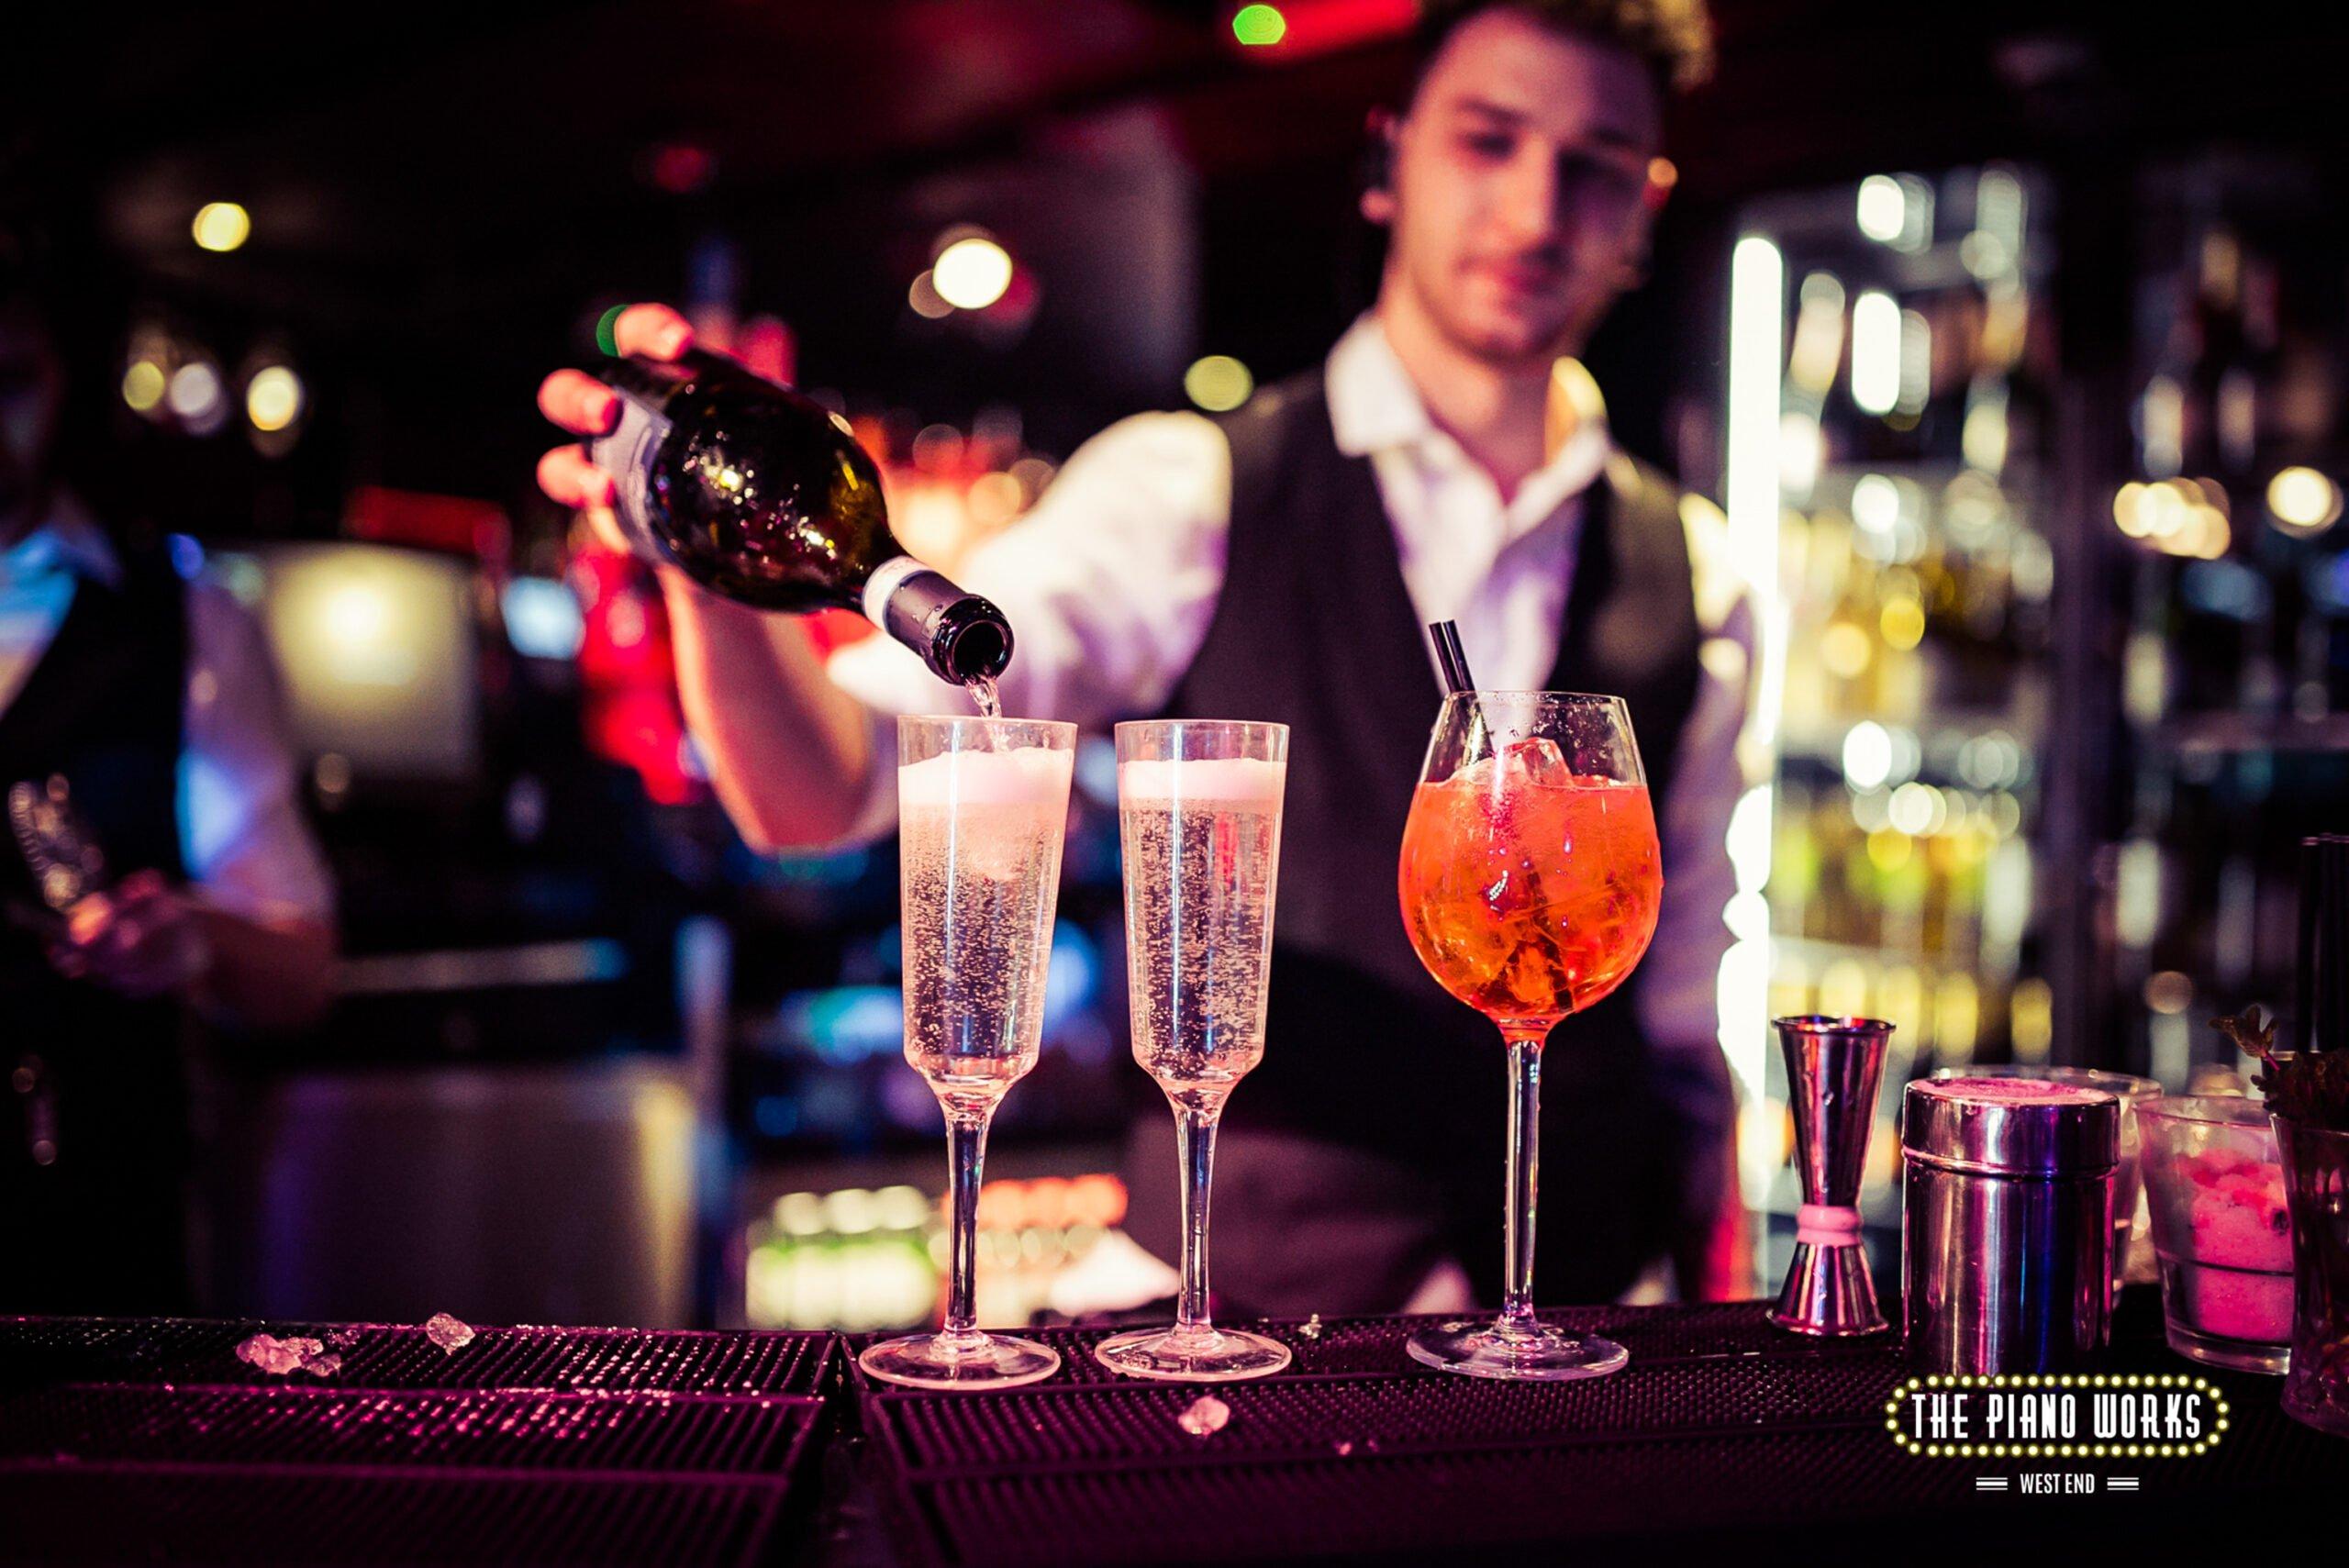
{"points": [[627, 454]]}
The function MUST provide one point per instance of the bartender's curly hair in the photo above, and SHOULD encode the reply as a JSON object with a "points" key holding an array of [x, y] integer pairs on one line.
{"points": [[1673, 38]]}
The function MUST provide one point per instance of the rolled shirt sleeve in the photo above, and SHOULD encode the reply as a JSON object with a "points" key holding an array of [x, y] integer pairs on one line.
{"points": [[246, 844], [1109, 582]]}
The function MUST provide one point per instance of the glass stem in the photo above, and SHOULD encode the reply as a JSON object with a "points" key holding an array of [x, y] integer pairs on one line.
{"points": [[1524, 1174], [966, 1152], [1195, 1152]]}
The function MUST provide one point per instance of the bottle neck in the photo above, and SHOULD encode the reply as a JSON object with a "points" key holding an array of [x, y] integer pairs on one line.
{"points": [[962, 637]]}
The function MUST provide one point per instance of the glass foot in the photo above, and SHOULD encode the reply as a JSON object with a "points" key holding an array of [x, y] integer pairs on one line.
{"points": [[1212, 1355], [959, 1360], [2236, 1355], [1538, 1354]]}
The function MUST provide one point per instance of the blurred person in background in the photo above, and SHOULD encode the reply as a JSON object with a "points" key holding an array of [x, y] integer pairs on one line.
{"points": [[155, 700], [1280, 563]]}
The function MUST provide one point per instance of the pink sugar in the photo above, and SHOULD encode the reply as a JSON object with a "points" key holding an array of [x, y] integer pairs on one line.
{"points": [[2012, 1092]]}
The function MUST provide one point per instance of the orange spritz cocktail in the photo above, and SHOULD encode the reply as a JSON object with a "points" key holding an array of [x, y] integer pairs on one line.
{"points": [[1529, 896]]}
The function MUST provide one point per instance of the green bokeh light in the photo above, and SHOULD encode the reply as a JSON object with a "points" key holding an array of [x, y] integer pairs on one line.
{"points": [[1259, 25]]}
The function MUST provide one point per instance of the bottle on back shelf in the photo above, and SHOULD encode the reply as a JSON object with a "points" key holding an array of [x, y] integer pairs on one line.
{"points": [[765, 497]]}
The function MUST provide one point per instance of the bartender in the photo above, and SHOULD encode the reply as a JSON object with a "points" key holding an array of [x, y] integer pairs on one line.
{"points": [[155, 703], [1279, 563]]}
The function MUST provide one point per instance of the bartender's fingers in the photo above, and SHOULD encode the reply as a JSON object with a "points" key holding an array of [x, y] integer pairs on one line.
{"points": [[570, 480], [605, 525], [577, 401], [655, 331]]}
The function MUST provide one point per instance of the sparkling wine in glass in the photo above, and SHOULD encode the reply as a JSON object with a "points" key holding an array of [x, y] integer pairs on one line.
{"points": [[1199, 816], [1530, 882], [982, 809]]}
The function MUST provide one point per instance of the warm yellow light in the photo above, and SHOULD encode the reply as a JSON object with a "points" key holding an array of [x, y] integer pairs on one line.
{"points": [[1903, 623], [972, 273], [222, 226], [2131, 511], [1890, 849], [142, 385], [1217, 383], [273, 398], [2303, 501], [1844, 649]]}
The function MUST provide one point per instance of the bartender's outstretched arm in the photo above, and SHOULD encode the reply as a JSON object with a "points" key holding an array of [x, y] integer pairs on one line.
{"points": [[789, 751]]}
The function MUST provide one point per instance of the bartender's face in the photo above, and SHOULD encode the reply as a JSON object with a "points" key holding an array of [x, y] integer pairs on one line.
{"points": [[29, 395], [1520, 173]]}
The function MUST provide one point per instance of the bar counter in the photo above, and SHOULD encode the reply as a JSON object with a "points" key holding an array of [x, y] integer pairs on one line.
{"points": [[150, 1440]]}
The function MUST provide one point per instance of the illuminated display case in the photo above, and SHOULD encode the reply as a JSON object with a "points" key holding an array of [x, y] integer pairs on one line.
{"points": [[1888, 432]]}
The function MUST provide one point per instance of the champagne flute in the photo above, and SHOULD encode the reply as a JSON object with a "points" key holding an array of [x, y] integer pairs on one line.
{"points": [[1199, 815], [982, 810], [1530, 882]]}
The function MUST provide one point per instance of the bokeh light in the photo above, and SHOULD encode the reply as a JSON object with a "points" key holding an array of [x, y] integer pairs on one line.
{"points": [[1259, 26], [1884, 208], [143, 384], [972, 273], [2303, 501], [1217, 383], [222, 226], [273, 398], [195, 390]]}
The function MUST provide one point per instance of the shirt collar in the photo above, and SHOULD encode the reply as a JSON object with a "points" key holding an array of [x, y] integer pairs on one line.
{"points": [[69, 539], [1375, 406]]}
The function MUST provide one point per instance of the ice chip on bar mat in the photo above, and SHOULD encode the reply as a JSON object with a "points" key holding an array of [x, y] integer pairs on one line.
{"points": [[323, 1366], [275, 1356], [448, 1333], [1204, 1417]]}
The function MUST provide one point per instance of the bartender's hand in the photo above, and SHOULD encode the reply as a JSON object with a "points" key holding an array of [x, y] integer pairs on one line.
{"points": [[790, 753], [143, 937], [586, 406]]}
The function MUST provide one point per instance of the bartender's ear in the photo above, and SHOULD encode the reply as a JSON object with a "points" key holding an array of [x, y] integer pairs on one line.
{"points": [[1377, 182]]}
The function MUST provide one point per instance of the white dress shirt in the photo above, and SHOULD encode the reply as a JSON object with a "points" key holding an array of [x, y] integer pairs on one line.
{"points": [[242, 836], [1109, 582]]}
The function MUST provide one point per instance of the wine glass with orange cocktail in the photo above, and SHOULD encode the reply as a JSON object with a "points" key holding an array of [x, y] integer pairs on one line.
{"points": [[1530, 882]]}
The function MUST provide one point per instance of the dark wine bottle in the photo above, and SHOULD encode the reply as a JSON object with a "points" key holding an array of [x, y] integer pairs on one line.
{"points": [[765, 497]]}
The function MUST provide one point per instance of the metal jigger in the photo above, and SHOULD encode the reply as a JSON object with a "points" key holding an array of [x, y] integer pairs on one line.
{"points": [[1832, 1069]]}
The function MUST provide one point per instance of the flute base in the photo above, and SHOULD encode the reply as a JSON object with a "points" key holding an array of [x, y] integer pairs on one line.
{"points": [[971, 1359], [1533, 1353], [1192, 1356]]}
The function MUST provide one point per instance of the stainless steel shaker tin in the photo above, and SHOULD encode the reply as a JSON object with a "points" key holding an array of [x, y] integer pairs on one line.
{"points": [[2006, 1230]]}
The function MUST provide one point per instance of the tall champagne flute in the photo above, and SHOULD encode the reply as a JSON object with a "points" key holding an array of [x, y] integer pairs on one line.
{"points": [[1530, 883], [1199, 815], [982, 809]]}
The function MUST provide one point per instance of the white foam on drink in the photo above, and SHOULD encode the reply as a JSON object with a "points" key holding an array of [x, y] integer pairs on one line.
{"points": [[1238, 780], [1030, 775]]}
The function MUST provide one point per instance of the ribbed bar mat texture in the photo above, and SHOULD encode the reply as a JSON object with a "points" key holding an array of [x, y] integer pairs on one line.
{"points": [[1723, 1432], [129, 1441]]}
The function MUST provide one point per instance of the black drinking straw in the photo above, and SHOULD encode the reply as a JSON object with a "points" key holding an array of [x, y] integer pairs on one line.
{"points": [[1451, 662]]}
